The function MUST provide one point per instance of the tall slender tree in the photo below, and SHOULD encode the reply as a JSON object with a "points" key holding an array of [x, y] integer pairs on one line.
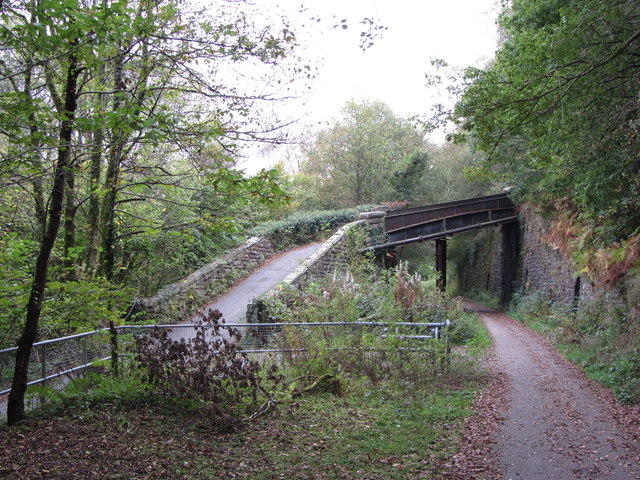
{"points": [[159, 62]]}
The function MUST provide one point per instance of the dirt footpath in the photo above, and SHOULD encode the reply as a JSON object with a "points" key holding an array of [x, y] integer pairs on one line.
{"points": [[554, 423]]}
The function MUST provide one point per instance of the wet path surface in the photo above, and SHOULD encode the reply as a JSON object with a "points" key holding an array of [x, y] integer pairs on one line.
{"points": [[233, 304], [557, 424]]}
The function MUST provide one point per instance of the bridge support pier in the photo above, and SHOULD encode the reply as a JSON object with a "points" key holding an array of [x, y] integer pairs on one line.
{"points": [[441, 263], [510, 233]]}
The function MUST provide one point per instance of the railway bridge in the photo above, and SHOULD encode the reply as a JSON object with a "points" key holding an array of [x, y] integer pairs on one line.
{"points": [[438, 222]]}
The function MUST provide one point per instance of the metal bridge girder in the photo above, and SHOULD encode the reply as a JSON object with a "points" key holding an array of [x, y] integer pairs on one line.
{"points": [[432, 222]]}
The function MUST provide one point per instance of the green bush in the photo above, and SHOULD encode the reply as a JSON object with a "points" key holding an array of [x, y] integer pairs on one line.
{"points": [[83, 305], [304, 226], [16, 258], [367, 294]]}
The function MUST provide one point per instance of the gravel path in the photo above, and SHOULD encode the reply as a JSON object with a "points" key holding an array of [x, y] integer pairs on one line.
{"points": [[555, 423]]}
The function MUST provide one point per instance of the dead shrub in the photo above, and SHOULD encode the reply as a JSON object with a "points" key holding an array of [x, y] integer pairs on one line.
{"points": [[210, 370]]}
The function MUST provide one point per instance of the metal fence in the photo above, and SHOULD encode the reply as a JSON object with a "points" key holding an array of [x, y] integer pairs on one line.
{"points": [[56, 361], [60, 357]]}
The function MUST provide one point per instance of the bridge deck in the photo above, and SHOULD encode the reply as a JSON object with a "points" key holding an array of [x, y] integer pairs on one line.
{"points": [[432, 222]]}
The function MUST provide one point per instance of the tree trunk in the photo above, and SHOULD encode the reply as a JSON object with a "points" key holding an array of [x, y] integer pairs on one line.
{"points": [[91, 259], [107, 223], [93, 214], [108, 227], [70, 208], [36, 180], [15, 408]]}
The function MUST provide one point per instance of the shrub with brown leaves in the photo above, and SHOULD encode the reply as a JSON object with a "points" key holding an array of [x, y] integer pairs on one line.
{"points": [[208, 369]]}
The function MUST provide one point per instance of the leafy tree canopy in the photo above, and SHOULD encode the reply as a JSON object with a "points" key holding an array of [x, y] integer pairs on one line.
{"points": [[556, 112], [353, 162]]}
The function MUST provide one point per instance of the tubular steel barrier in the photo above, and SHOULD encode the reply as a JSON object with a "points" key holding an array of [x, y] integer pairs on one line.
{"points": [[57, 361], [51, 359]]}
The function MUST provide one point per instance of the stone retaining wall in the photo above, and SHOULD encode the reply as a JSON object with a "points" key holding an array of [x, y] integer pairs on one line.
{"points": [[332, 256], [543, 268], [180, 300]]}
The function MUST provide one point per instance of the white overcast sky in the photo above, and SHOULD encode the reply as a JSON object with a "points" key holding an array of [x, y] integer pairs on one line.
{"points": [[462, 32]]}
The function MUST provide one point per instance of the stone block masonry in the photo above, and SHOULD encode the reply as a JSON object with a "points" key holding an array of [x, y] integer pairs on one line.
{"points": [[182, 299], [331, 257], [374, 227], [544, 269], [178, 301], [540, 266]]}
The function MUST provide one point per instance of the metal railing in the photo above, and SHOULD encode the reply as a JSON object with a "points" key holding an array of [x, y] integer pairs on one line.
{"points": [[59, 357], [56, 361]]}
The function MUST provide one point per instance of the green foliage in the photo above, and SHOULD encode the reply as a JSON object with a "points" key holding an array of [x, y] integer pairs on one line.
{"points": [[622, 377], [151, 185], [75, 306], [407, 180], [537, 303], [89, 391], [366, 294], [446, 178], [485, 298], [354, 161], [555, 112], [467, 330], [304, 226], [16, 257]]}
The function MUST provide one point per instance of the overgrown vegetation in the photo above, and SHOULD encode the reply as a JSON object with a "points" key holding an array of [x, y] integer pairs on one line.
{"points": [[555, 112], [554, 116], [364, 298], [116, 148], [371, 155], [599, 337], [303, 226], [388, 407], [208, 370]]}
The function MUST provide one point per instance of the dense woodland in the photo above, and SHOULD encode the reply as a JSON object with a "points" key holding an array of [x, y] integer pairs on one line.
{"points": [[121, 123], [556, 111]]}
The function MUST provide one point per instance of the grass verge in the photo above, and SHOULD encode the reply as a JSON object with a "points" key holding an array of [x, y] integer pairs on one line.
{"points": [[390, 430]]}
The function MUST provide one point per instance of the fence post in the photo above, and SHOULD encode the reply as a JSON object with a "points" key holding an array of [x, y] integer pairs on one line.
{"points": [[446, 360], [85, 358], [114, 348], [44, 362]]}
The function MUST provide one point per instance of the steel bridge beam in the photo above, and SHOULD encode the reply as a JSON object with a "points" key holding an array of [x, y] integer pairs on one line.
{"points": [[439, 221]]}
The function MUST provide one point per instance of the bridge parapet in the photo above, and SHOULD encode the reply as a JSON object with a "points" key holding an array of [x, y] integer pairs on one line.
{"points": [[332, 256]]}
